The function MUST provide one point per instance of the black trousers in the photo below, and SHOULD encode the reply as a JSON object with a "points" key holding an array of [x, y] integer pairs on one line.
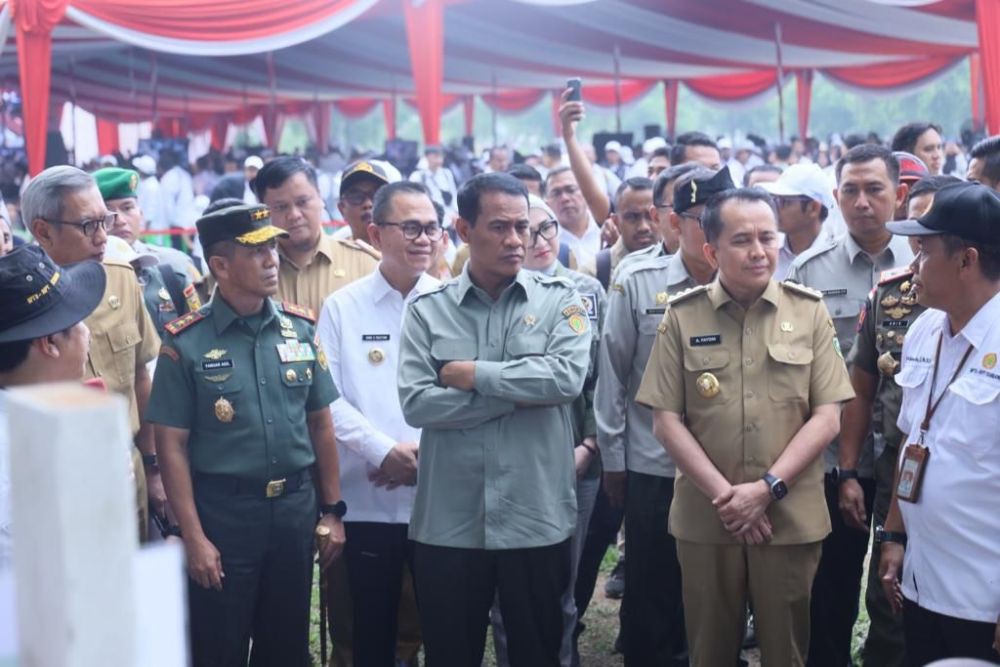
{"points": [[456, 588], [837, 587], [652, 608], [602, 532], [376, 554], [931, 636], [267, 557]]}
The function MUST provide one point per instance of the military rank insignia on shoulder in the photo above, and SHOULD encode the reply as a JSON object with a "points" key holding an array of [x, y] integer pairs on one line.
{"points": [[893, 275], [304, 312], [183, 322], [802, 290], [684, 295]]}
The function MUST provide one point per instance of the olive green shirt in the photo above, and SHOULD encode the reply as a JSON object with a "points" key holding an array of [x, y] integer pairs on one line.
{"points": [[746, 381], [496, 464], [242, 387]]}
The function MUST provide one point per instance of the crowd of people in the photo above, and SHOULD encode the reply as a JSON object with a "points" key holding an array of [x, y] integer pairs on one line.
{"points": [[751, 369]]}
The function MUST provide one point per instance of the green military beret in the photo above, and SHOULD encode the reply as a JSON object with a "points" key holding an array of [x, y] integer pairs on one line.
{"points": [[115, 183], [247, 225]]}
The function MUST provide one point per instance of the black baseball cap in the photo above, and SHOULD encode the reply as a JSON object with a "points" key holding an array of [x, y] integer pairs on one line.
{"points": [[699, 190], [967, 210], [248, 225], [39, 298]]}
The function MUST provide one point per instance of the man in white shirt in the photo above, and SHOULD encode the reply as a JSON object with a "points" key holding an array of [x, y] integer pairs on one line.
{"points": [[359, 329], [438, 180], [804, 201], [577, 227], [944, 510]]}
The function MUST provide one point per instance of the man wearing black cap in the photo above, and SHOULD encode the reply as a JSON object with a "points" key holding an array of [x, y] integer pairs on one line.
{"points": [[42, 338], [652, 615], [313, 264], [241, 407], [943, 530]]}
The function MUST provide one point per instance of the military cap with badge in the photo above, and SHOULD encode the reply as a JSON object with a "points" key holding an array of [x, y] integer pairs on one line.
{"points": [[247, 225], [694, 192]]}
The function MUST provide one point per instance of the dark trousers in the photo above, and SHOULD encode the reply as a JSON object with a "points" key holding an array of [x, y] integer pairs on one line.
{"points": [[837, 587], [456, 588], [931, 636], [652, 607], [602, 531], [267, 557], [884, 645], [376, 555]]}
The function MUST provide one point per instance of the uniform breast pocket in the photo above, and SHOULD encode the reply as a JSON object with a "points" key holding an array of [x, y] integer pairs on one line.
{"points": [[974, 417], [788, 373], [220, 399], [297, 378], [123, 340], [526, 345], [709, 379], [648, 325], [446, 350]]}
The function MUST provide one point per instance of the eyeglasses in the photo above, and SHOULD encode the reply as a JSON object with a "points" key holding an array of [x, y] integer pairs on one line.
{"points": [[690, 216], [569, 190], [413, 230], [665, 207], [357, 197], [89, 227], [547, 230]]}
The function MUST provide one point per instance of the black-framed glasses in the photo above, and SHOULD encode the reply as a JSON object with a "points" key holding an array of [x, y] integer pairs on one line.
{"points": [[89, 227], [691, 216], [412, 230], [357, 197], [666, 207], [547, 229]]}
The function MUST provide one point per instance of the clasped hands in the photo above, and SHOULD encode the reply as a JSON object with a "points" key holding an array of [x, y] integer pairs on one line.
{"points": [[742, 509]]}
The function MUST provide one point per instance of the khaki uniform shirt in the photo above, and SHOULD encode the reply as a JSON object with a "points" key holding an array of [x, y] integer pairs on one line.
{"points": [[337, 262], [773, 364], [494, 475], [243, 387], [618, 252], [636, 304], [845, 274], [885, 320], [122, 336]]}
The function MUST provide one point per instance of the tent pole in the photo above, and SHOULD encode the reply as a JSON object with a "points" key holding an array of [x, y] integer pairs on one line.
{"points": [[493, 107], [618, 89], [781, 76]]}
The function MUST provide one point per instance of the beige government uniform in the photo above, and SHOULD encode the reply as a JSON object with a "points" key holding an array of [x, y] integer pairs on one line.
{"points": [[123, 338], [746, 381], [337, 262]]}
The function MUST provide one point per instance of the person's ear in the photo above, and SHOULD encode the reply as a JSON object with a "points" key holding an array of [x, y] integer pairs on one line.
{"points": [[219, 266], [675, 222], [45, 233], [463, 228], [902, 192], [375, 235], [711, 254]]}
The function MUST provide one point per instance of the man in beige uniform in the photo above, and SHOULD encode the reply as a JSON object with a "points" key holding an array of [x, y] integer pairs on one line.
{"points": [[313, 264], [67, 216], [746, 379]]}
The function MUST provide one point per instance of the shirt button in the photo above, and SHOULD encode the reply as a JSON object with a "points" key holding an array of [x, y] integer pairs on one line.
{"points": [[274, 459], [748, 331], [704, 360], [747, 361], [791, 354], [748, 428], [270, 421], [750, 394], [263, 381]]}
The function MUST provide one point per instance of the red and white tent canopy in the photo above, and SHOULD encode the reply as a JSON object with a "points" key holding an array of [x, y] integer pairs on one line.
{"points": [[211, 62]]}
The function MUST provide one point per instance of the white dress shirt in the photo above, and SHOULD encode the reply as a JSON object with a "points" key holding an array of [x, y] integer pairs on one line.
{"points": [[359, 329], [585, 247], [952, 562]]}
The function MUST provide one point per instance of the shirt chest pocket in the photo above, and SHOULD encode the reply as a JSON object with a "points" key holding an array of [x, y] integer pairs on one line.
{"points": [[972, 420], [122, 341], [220, 399], [710, 379], [648, 325], [449, 349], [526, 345], [789, 372]]}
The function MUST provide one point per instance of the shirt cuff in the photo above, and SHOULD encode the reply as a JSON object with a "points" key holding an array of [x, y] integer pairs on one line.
{"points": [[376, 448], [612, 458], [487, 377]]}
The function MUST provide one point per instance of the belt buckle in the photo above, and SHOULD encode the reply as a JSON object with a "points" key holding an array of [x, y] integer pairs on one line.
{"points": [[275, 488]]}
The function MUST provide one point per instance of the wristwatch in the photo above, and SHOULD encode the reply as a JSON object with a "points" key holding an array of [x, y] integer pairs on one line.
{"points": [[844, 474], [150, 460], [337, 509], [882, 535], [776, 485]]}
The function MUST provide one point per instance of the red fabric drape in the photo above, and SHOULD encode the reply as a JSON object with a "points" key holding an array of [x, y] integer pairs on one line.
{"points": [[270, 118], [604, 95], [890, 75], [34, 21], [169, 128], [469, 111], [556, 102], [514, 100], [988, 22], [976, 90], [803, 91], [219, 128], [321, 114], [107, 136], [670, 90], [733, 87], [389, 112], [425, 36], [355, 108]]}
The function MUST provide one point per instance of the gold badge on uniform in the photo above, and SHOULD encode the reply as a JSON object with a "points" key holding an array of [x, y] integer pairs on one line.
{"points": [[321, 357], [309, 374], [163, 294], [887, 364], [291, 375], [376, 355], [990, 361], [889, 301], [529, 320], [898, 312], [707, 385], [285, 322], [661, 298], [114, 302], [224, 411], [215, 354], [787, 327], [878, 340], [905, 286], [577, 323], [890, 336], [661, 328]]}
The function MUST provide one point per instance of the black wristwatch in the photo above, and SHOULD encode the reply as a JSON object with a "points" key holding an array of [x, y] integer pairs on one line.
{"points": [[776, 485], [843, 474], [882, 535], [337, 509], [150, 460]]}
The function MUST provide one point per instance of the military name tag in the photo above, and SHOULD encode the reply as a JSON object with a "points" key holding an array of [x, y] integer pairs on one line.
{"points": [[655, 311], [708, 339], [835, 292], [294, 350], [895, 324], [374, 338], [216, 365]]}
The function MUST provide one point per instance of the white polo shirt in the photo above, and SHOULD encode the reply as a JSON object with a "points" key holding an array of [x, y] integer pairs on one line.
{"points": [[584, 247], [952, 563], [359, 330]]}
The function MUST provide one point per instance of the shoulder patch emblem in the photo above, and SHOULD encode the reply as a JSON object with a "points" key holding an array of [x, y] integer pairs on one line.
{"points": [[570, 311], [686, 294], [892, 275], [802, 290], [304, 312], [167, 351], [192, 298], [183, 322]]}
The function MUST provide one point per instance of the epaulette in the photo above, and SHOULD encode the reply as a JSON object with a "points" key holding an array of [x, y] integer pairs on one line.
{"points": [[894, 275], [683, 295], [802, 290], [304, 312], [120, 264], [183, 322], [562, 281], [437, 289], [358, 244], [810, 253]]}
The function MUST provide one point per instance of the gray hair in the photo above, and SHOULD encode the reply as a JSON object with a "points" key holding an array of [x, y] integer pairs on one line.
{"points": [[43, 198]]}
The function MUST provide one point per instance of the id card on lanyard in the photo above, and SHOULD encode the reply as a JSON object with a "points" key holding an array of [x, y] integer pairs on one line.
{"points": [[916, 455]]}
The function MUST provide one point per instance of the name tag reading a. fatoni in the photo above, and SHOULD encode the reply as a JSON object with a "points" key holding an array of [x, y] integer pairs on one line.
{"points": [[706, 339], [374, 338]]}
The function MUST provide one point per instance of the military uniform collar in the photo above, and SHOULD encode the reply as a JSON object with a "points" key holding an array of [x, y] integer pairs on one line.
{"points": [[719, 297], [677, 272], [223, 315], [465, 284], [853, 249]]}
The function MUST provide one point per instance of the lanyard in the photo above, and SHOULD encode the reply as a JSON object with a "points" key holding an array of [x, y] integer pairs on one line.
{"points": [[932, 408]]}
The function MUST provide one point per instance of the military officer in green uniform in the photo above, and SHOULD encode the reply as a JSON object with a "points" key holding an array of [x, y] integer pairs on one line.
{"points": [[241, 406]]}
